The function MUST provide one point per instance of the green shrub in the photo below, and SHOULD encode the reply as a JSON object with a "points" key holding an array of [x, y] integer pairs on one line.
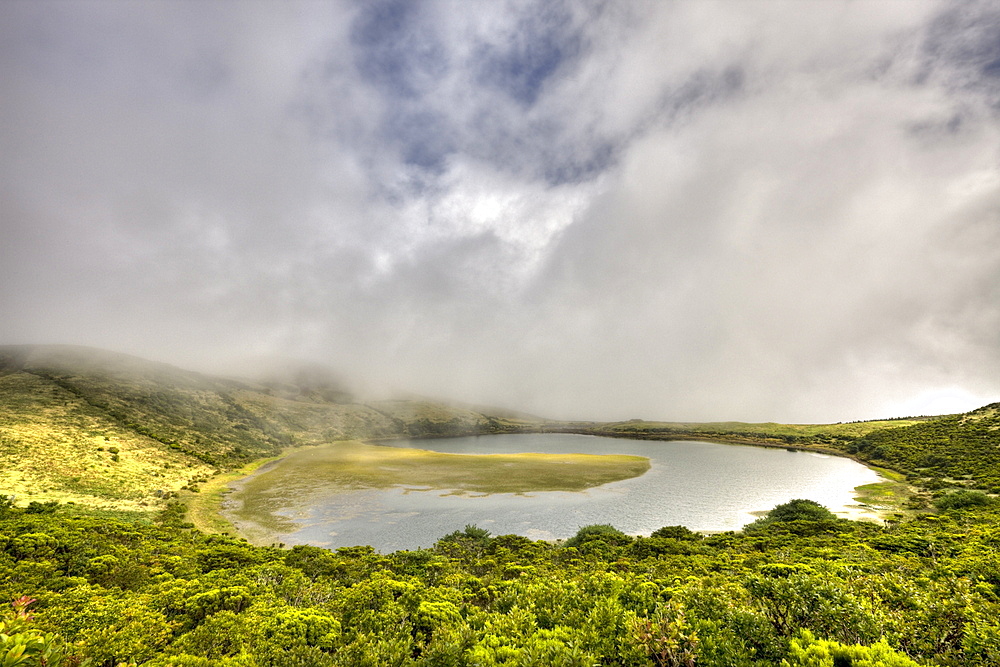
{"points": [[808, 651], [794, 510], [677, 533], [598, 532], [471, 533], [23, 646], [964, 499]]}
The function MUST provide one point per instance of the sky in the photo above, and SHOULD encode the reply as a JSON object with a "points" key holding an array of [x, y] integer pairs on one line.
{"points": [[757, 211]]}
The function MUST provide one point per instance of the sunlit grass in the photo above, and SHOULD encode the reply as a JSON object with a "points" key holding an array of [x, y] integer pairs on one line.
{"points": [[54, 447], [885, 498]]}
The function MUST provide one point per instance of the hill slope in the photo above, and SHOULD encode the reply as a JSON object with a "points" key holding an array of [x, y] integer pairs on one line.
{"points": [[954, 450], [85, 425]]}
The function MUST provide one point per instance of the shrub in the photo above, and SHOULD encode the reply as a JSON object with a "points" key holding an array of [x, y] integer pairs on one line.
{"points": [[21, 645], [794, 510], [963, 499], [678, 533], [602, 532], [471, 533], [808, 651], [800, 510]]}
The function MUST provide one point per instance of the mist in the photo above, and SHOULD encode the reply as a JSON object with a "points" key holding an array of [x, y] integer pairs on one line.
{"points": [[689, 211]]}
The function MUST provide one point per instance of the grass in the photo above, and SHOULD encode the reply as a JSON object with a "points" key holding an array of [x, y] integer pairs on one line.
{"points": [[204, 507], [886, 498], [53, 446]]}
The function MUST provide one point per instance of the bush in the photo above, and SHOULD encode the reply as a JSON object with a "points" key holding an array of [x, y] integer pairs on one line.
{"points": [[602, 532], [800, 510], [794, 510], [472, 533], [678, 533], [6, 504], [964, 499], [36, 507], [808, 651]]}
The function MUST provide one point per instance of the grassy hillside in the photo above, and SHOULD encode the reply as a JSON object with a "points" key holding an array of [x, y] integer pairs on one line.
{"points": [[56, 446], [956, 450], [768, 433], [106, 429]]}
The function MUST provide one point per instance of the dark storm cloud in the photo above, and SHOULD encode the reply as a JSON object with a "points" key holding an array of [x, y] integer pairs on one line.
{"points": [[687, 210]]}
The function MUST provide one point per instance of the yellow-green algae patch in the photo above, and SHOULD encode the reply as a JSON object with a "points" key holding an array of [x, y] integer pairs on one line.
{"points": [[354, 465]]}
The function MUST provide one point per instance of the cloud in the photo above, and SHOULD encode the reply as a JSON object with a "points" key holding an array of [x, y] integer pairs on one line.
{"points": [[688, 210]]}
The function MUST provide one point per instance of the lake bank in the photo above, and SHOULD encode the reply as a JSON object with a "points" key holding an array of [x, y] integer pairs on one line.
{"points": [[705, 486], [355, 465]]}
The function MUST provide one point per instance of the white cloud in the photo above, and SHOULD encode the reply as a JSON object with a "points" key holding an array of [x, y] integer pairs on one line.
{"points": [[690, 210]]}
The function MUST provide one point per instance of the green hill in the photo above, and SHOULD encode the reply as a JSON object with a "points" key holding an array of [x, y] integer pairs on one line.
{"points": [[769, 433], [955, 450], [105, 429]]}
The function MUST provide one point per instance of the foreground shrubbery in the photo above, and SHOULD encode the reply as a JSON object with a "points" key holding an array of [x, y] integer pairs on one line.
{"points": [[797, 591]]}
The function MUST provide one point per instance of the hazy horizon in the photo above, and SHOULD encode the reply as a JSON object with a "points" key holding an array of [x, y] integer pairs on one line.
{"points": [[688, 211]]}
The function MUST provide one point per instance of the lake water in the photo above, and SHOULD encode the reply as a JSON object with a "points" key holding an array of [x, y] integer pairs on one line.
{"points": [[704, 486]]}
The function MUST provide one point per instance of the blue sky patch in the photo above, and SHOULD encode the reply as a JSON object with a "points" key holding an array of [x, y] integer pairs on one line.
{"points": [[522, 67], [395, 48]]}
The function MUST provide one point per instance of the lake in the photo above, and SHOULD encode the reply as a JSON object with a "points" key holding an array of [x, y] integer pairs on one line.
{"points": [[704, 486]]}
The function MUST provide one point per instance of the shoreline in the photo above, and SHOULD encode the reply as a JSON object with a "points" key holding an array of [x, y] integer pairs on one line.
{"points": [[204, 508], [893, 491], [875, 501]]}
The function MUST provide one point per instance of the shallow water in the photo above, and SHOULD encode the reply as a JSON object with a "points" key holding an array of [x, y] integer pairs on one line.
{"points": [[704, 486]]}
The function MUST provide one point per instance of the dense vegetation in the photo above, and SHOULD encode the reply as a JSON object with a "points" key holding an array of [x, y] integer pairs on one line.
{"points": [[796, 588], [817, 436], [958, 449], [787, 593]]}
